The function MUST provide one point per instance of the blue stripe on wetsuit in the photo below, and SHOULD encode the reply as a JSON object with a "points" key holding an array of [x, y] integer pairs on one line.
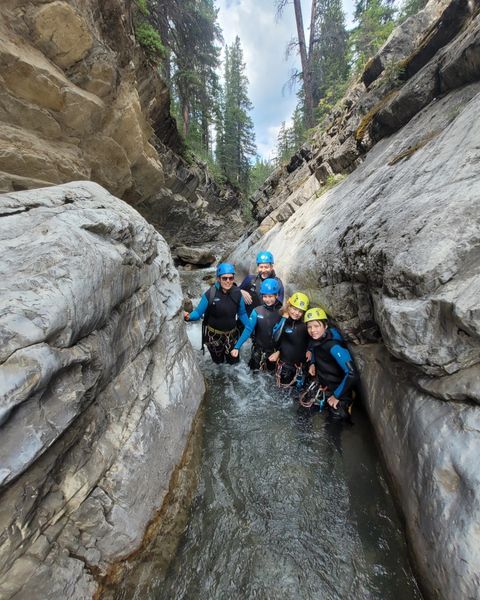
{"points": [[343, 359], [249, 329]]}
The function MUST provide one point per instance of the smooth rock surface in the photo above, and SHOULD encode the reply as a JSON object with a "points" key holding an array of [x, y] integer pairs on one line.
{"points": [[98, 386]]}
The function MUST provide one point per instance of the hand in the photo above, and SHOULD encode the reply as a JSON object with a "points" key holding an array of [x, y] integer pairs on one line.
{"points": [[333, 402], [308, 356], [246, 297], [312, 370], [234, 353], [186, 316], [274, 357]]}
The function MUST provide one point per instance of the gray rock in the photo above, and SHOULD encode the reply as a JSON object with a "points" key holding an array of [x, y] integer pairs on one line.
{"points": [[195, 256], [98, 386]]}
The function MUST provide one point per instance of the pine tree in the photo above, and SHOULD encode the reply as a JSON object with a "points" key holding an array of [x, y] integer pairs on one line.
{"points": [[330, 55], [376, 20], [237, 138], [189, 29]]}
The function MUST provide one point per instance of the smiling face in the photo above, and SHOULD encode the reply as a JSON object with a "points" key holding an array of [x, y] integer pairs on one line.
{"points": [[226, 281], [269, 299], [316, 329], [264, 270], [295, 313]]}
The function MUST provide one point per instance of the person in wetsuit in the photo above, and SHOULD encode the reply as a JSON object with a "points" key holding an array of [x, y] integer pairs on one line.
{"points": [[291, 338], [250, 286], [332, 366], [221, 306], [260, 325]]}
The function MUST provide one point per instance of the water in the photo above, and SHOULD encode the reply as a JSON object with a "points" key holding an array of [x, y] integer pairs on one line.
{"points": [[287, 506]]}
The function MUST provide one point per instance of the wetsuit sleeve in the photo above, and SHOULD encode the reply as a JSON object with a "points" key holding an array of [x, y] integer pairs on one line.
{"points": [[344, 359], [311, 349], [246, 282], [247, 332], [281, 292], [200, 309], [277, 332], [242, 312]]}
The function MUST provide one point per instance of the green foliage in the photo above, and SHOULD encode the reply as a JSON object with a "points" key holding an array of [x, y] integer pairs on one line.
{"points": [[150, 40], [235, 134], [375, 23], [332, 181], [259, 172], [409, 8], [142, 7]]}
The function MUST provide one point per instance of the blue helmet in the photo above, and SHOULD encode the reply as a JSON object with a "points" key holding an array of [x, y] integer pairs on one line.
{"points": [[270, 286], [265, 257], [224, 268]]}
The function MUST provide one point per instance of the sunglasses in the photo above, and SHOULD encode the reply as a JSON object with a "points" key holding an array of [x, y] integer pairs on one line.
{"points": [[227, 278]]}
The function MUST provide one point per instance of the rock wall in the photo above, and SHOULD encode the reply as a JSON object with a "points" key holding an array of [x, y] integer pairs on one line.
{"points": [[392, 252], [79, 100], [99, 386]]}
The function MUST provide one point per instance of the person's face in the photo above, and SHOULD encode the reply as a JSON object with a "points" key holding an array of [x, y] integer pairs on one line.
{"points": [[226, 281], [295, 313], [316, 329], [264, 270], [269, 299]]}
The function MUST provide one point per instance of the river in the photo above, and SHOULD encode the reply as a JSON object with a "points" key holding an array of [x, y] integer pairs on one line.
{"points": [[288, 506]]}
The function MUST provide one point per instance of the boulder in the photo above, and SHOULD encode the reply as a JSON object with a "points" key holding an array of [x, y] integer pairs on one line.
{"points": [[99, 386], [202, 257]]}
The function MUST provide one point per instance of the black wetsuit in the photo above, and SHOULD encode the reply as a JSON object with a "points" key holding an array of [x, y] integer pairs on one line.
{"points": [[252, 283], [335, 370], [219, 331], [291, 338]]}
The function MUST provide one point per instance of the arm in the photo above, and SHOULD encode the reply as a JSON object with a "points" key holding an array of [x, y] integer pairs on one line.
{"points": [[344, 359], [247, 332], [246, 282], [242, 312], [202, 306], [281, 292]]}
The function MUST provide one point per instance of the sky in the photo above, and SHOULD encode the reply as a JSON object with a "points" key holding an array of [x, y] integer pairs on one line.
{"points": [[264, 41]]}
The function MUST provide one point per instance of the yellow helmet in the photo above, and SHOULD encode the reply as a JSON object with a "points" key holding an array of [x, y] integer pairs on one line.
{"points": [[315, 314], [299, 300]]}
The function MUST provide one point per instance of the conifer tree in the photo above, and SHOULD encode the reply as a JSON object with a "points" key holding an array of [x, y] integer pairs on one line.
{"points": [[237, 138], [376, 20]]}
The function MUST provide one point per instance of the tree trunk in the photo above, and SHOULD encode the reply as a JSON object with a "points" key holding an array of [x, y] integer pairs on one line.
{"points": [[306, 71]]}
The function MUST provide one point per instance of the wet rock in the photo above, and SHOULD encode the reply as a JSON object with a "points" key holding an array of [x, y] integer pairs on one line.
{"points": [[98, 385]]}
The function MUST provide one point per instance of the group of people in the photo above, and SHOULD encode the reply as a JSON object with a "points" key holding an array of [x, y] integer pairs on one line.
{"points": [[296, 342]]}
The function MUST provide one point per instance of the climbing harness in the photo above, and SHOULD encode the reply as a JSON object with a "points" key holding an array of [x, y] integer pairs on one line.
{"points": [[297, 371], [314, 394], [219, 342]]}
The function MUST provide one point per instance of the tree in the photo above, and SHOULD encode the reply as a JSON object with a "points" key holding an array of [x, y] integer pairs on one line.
{"points": [[409, 8], [330, 64], [376, 20], [189, 30], [305, 54], [236, 140]]}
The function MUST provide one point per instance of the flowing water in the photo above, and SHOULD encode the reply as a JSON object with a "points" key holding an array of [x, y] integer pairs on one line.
{"points": [[288, 506]]}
